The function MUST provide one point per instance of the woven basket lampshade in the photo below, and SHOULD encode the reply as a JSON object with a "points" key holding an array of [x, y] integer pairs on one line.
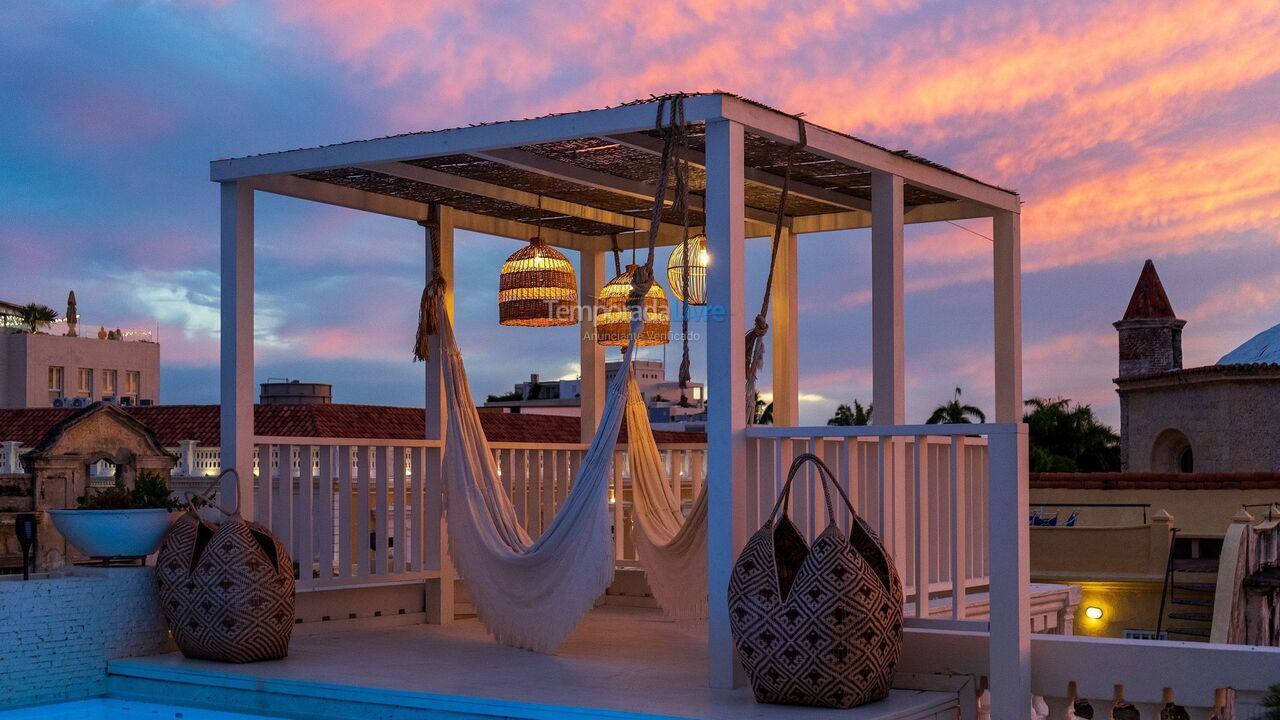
{"points": [[537, 288], [697, 260], [613, 319]]}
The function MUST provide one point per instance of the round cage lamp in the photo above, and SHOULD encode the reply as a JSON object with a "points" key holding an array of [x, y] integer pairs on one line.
{"points": [[537, 288], [696, 261], [613, 318]]}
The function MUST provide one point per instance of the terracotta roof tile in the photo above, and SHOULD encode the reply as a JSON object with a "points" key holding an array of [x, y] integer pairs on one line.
{"points": [[174, 423], [1149, 300]]}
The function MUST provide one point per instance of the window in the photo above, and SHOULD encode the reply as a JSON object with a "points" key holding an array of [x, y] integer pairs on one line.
{"points": [[1171, 453], [84, 382], [132, 379], [55, 383], [108, 383]]}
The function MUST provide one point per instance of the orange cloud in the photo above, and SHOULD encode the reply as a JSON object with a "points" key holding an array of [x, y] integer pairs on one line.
{"points": [[1088, 109]]}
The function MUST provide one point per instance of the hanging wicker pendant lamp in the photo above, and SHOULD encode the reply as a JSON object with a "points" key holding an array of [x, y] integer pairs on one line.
{"points": [[537, 288], [613, 319], [697, 261]]}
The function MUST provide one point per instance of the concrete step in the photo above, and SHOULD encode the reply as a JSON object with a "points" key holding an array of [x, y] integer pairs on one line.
{"points": [[1195, 565], [1198, 602], [1196, 587], [1190, 631], [1193, 616]]}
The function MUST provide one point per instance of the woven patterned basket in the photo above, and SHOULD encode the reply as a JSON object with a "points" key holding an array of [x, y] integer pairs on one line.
{"points": [[226, 591], [816, 626]]}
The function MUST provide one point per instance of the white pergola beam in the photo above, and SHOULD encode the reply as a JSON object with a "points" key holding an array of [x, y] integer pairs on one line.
{"points": [[603, 181], [856, 219], [615, 122], [351, 198], [782, 128], [588, 123], [653, 146], [520, 197], [330, 194]]}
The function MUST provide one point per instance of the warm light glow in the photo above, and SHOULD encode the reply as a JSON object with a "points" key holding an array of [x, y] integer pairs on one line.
{"points": [[697, 271], [537, 287], [1093, 612], [613, 317]]}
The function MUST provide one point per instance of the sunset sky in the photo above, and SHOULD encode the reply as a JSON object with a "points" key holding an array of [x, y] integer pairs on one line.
{"points": [[1131, 129]]}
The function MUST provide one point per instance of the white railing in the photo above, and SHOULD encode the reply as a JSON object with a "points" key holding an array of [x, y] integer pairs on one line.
{"points": [[1098, 669], [944, 532], [349, 517], [537, 477], [949, 502], [356, 512]]}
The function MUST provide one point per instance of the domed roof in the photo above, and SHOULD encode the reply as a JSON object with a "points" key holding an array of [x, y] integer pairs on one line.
{"points": [[1261, 348]]}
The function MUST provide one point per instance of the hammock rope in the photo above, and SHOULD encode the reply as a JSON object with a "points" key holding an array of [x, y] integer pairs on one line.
{"points": [[532, 593], [756, 335], [427, 322], [671, 545]]}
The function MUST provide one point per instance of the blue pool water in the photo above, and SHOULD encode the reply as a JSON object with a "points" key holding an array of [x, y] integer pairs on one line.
{"points": [[114, 709]]}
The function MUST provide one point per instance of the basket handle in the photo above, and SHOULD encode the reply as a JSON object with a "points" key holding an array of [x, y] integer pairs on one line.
{"points": [[826, 477]]}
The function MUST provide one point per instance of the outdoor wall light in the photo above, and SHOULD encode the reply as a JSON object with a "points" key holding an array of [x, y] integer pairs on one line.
{"points": [[1093, 612]]}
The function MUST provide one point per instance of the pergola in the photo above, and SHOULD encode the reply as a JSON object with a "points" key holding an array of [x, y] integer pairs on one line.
{"points": [[579, 179]]}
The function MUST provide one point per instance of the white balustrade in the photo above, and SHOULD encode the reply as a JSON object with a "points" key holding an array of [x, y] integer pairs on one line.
{"points": [[946, 489], [949, 502], [356, 508]]}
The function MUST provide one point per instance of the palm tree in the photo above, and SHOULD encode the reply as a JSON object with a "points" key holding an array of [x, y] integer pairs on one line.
{"points": [[764, 411], [856, 415], [1069, 438], [954, 412], [36, 316]]}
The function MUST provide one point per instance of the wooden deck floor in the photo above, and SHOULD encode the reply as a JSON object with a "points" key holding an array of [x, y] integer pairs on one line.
{"points": [[619, 663]]}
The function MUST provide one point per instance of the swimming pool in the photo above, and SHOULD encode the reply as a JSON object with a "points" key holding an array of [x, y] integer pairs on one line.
{"points": [[116, 709]]}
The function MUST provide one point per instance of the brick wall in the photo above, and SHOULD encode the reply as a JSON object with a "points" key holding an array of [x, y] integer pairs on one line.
{"points": [[58, 632], [1150, 346]]}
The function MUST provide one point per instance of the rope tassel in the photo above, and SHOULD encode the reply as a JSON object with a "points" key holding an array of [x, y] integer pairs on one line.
{"points": [[432, 294]]}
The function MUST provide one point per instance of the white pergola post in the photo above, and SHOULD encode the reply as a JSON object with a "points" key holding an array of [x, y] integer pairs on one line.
{"points": [[591, 278], [236, 415], [888, 392], [439, 593], [1008, 497], [1007, 266], [726, 381], [785, 344]]}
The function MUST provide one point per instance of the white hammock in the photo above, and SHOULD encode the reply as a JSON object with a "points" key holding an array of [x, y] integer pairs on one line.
{"points": [[672, 547], [528, 594]]}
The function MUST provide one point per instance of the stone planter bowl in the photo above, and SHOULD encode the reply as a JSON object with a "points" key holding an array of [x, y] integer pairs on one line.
{"points": [[112, 533]]}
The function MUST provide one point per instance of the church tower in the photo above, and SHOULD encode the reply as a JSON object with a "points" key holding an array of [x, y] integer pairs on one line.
{"points": [[1150, 334]]}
